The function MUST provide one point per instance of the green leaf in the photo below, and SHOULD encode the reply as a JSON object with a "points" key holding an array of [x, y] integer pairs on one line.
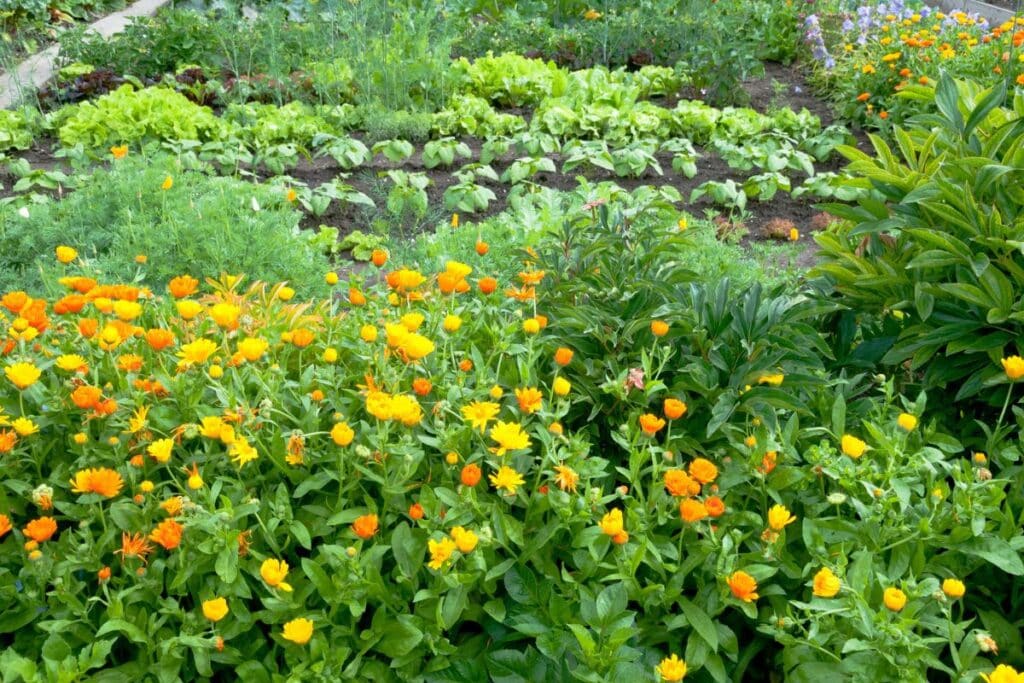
{"points": [[994, 550], [701, 622]]}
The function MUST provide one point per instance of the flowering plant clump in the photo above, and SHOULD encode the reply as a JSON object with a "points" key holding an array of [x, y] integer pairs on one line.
{"points": [[408, 477]]}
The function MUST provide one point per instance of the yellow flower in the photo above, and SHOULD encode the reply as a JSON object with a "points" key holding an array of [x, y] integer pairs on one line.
{"points": [[22, 375], [342, 434], [591, 15], [906, 421], [826, 584], [225, 315], [612, 523], [509, 437], [452, 323], [25, 426], [771, 380], [1003, 673], [894, 598], [299, 631], [480, 413], [779, 517], [506, 478], [531, 326], [215, 609], [330, 355], [412, 321], [561, 386], [242, 452], [127, 310], [672, 669], [465, 540], [198, 351], [167, 184], [1014, 367], [853, 446], [954, 588], [71, 362], [331, 278], [368, 333], [188, 309], [161, 450], [286, 294], [274, 573], [566, 478], [440, 552], [211, 427], [66, 254], [253, 348]]}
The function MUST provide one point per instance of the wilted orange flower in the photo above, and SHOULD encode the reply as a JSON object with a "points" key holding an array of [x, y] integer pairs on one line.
{"points": [[134, 545], [167, 534], [366, 526], [566, 478], [104, 481], [182, 286]]}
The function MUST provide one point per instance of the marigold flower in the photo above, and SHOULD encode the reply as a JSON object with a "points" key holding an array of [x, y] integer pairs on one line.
{"points": [[25, 427], [509, 437], [416, 512], [743, 586], [66, 254], [103, 574], [182, 286], [198, 351], [612, 524], [563, 356], [826, 584], [274, 573], [773, 380], [440, 552], [167, 534], [779, 517], [302, 337], [5, 525], [715, 506], [651, 424], [379, 257], [1013, 366], [167, 184], [894, 598], [506, 479], [691, 510], [864, 97], [119, 151], [530, 400], [331, 278], [241, 452], [215, 609], [679, 484], [566, 478], [561, 386], [8, 440], [253, 348], [1003, 673], [954, 588], [703, 470], [160, 450], [41, 529], [487, 285], [298, 631], [852, 446], [480, 413], [659, 328], [22, 375], [906, 422], [674, 408], [671, 669], [465, 540], [368, 333], [134, 546], [482, 247], [366, 526], [452, 323], [188, 309], [342, 434], [72, 362], [104, 481], [470, 475], [225, 315]]}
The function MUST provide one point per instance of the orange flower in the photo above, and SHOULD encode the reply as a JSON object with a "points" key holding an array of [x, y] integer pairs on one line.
{"points": [[167, 534], [563, 356], [103, 574], [87, 327], [703, 470], [743, 586], [659, 328], [715, 506], [366, 526], [679, 484], [8, 439], [182, 286], [5, 525], [482, 247], [158, 339], [691, 510], [422, 386], [487, 285], [864, 97], [674, 408], [86, 397], [379, 257], [530, 399], [133, 545], [41, 529], [302, 337], [566, 478], [104, 481], [355, 297], [416, 511], [651, 424], [470, 475]]}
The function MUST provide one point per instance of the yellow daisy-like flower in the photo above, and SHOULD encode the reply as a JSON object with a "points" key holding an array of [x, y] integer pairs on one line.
{"points": [[480, 413], [299, 631], [506, 479], [440, 552], [22, 375], [509, 437]]}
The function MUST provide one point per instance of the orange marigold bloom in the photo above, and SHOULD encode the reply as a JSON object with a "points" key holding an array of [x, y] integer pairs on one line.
{"points": [[743, 586], [703, 470], [530, 399], [659, 328], [651, 424], [531, 277], [5, 525], [302, 337], [679, 484], [674, 408], [691, 510], [167, 534], [355, 297], [366, 526], [8, 439], [134, 545], [715, 506], [182, 286], [86, 397], [470, 475], [563, 356], [422, 386], [768, 462], [487, 285], [72, 303], [379, 257], [87, 327], [102, 480], [864, 97], [416, 511], [41, 529], [566, 478], [159, 339]]}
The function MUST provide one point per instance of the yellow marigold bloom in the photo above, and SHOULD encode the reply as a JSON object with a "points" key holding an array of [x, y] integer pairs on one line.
{"points": [[416, 346], [591, 15], [406, 410], [530, 399], [1014, 367], [330, 355], [211, 426], [853, 446], [127, 310], [274, 573], [826, 583], [703, 470], [253, 348], [612, 523], [71, 362], [465, 540], [659, 328], [22, 375], [167, 184], [743, 586], [242, 452], [480, 413], [405, 279], [452, 323], [561, 386], [566, 478], [779, 517], [198, 351], [342, 434], [672, 669], [104, 481], [894, 598], [225, 315], [412, 321], [66, 254], [440, 552], [299, 631], [496, 392], [368, 333], [286, 294], [188, 309], [771, 380], [119, 151], [509, 436], [906, 421], [531, 326], [215, 609], [25, 427], [331, 278], [954, 588], [506, 478], [161, 450], [1003, 673]]}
